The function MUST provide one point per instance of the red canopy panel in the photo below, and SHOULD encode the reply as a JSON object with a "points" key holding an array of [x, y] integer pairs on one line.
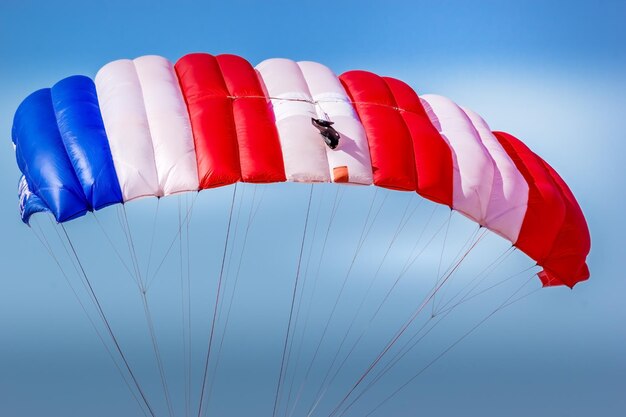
{"points": [[389, 138], [554, 231]]}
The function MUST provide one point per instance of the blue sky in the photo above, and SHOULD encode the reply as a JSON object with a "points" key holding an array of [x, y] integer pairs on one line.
{"points": [[552, 73]]}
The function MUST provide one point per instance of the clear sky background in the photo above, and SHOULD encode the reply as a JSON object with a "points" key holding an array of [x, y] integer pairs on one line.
{"points": [[552, 73]]}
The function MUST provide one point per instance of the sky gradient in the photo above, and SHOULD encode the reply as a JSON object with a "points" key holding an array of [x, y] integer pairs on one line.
{"points": [[551, 73]]}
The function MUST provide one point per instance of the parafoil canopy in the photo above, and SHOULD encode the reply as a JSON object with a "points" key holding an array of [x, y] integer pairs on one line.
{"points": [[146, 127]]}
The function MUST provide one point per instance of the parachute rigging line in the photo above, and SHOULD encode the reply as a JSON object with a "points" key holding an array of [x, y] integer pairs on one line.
{"points": [[119, 256], [404, 220], [364, 233], [293, 300], [386, 297], [448, 274], [258, 206], [154, 223], [478, 280], [443, 313], [217, 300], [443, 249], [183, 303], [399, 355], [300, 303], [185, 288], [106, 321], [133, 274], [468, 242], [75, 261], [46, 244], [318, 102], [150, 280], [431, 317], [232, 294], [148, 316], [336, 202], [413, 341], [189, 337], [503, 305], [404, 327]]}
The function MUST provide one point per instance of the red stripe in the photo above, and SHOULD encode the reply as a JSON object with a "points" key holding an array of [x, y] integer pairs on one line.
{"points": [[433, 156], [390, 143], [554, 231], [212, 121], [567, 258], [261, 157]]}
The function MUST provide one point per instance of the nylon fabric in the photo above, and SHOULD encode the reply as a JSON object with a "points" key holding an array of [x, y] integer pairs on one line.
{"points": [[389, 140], [81, 127], [260, 155], [212, 120], [509, 192], [566, 261], [473, 171], [148, 128], [352, 154], [546, 213], [42, 158], [169, 126], [433, 157], [29, 203], [128, 130], [303, 148]]}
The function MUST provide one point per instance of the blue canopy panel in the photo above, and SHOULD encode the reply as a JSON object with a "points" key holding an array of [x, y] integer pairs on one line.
{"points": [[42, 158], [29, 202], [80, 123], [62, 150]]}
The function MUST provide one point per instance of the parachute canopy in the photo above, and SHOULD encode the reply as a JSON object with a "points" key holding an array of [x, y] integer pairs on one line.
{"points": [[146, 127]]}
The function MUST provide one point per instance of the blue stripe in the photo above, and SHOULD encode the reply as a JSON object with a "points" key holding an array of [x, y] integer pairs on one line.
{"points": [[42, 158], [80, 123], [29, 202]]}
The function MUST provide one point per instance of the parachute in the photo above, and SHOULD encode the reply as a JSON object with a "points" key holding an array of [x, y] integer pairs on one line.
{"points": [[150, 128]]}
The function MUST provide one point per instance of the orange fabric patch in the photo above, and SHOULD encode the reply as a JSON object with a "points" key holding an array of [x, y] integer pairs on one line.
{"points": [[340, 174]]}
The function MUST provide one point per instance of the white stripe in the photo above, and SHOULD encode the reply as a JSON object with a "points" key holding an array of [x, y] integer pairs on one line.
{"points": [[333, 102], [509, 194], [473, 166], [126, 124], [169, 124], [303, 147]]}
